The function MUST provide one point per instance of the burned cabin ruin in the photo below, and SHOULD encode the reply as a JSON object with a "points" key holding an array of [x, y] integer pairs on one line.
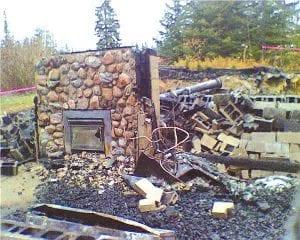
{"points": [[92, 101]]}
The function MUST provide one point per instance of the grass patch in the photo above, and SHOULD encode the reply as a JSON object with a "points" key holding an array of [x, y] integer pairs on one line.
{"points": [[16, 102]]}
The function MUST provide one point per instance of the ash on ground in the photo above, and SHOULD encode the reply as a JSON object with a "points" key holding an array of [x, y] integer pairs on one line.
{"points": [[94, 186]]}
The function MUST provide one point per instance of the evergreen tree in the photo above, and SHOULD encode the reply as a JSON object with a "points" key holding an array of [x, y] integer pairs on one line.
{"points": [[107, 26], [173, 23], [8, 38], [201, 29]]}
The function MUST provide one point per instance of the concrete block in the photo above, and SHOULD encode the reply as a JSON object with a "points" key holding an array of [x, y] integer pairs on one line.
{"points": [[269, 137], [246, 136], [294, 148], [147, 205], [254, 156], [253, 146], [272, 112], [196, 144], [222, 209], [288, 137], [239, 152], [285, 148], [229, 140], [208, 141], [261, 173], [289, 106], [274, 157], [295, 156], [222, 137], [273, 147], [155, 194], [243, 143], [144, 187]]}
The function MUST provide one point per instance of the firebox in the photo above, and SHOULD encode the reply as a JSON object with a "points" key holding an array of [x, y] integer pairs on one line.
{"points": [[87, 130]]}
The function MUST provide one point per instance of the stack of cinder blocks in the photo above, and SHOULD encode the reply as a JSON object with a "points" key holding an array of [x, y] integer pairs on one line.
{"points": [[272, 145]]}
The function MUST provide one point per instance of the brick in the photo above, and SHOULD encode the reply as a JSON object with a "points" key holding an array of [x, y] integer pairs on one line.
{"points": [[208, 141], [147, 205], [269, 137], [222, 209], [288, 137], [148, 190], [155, 194], [144, 187]]}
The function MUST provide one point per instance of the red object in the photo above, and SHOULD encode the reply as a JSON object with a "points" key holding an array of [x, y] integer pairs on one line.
{"points": [[18, 90], [278, 48]]}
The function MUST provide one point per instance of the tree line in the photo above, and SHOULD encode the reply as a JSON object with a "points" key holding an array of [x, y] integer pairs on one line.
{"points": [[239, 29], [18, 58]]}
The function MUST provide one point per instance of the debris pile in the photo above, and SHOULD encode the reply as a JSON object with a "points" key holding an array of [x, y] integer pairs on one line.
{"points": [[227, 124], [17, 136], [192, 214]]}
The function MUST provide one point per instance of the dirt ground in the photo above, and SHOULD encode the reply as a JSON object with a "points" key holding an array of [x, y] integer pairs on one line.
{"points": [[17, 192]]}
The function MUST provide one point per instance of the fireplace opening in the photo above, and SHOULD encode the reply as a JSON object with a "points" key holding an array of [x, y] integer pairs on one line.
{"points": [[88, 130]]}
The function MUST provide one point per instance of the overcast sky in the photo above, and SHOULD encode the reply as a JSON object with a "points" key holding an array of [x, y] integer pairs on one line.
{"points": [[72, 22]]}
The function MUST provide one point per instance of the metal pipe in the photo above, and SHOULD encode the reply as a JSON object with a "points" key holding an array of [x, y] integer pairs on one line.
{"points": [[199, 87]]}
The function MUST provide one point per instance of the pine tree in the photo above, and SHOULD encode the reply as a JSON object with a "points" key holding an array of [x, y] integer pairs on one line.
{"points": [[8, 38], [171, 37], [107, 26]]}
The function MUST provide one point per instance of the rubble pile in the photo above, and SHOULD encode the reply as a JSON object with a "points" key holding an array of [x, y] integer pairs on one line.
{"points": [[86, 181], [190, 216], [228, 124], [17, 135]]}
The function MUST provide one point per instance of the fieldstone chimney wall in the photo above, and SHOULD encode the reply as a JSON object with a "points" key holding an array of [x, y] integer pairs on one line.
{"points": [[86, 81]]}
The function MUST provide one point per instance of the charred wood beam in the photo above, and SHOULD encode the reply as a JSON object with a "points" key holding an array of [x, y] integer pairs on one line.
{"points": [[246, 163]]}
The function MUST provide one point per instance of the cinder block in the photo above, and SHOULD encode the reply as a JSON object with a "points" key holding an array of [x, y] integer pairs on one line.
{"points": [[254, 156], [295, 156], [229, 140], [208, 141], [285, 148], [222, 209], [243, 143], [273, 147], [294, 148], [147, 205], [269, 137], [246, 136], [288, 137], [239, 152], [274, 157], [253, 146], [196, 144]]}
